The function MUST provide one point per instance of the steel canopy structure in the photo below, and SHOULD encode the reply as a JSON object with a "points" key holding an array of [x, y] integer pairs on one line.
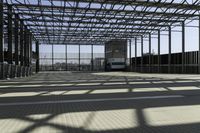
{"points": [[97, 21], [91, 22]]}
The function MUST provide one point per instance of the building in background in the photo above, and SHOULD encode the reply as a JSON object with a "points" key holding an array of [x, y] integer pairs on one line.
{"points": [[115, 55]]}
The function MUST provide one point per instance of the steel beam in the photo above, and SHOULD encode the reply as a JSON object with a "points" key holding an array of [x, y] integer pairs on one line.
{"points": [[10, 34], [77, 17], [155, 4], [100, 22], [183, 47], [170, 51], [92, 10]]}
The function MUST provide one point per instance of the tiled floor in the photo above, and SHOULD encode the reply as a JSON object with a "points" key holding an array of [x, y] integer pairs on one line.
{"points": [[112, 102]]}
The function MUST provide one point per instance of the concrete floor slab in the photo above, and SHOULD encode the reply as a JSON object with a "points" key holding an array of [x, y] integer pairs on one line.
{"points": [[113, 102]]}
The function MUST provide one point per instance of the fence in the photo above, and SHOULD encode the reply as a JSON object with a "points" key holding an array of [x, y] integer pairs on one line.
{"points": [[188, 63]]}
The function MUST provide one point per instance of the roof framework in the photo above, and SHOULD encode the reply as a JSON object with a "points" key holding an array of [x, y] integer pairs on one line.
{"points": [[98, 21]]}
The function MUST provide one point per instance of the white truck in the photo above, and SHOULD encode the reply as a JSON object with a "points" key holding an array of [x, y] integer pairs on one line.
{"points": [[116, 63]]}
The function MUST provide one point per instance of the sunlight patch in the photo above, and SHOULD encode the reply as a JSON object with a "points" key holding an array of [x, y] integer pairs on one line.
{"points": [[99, 120], [38, 116], [77, 92], [109, 91], [164, 116], [82, 84], [184, 88], [114, 83], [12, 125], [19, 94], [139, 82], [147, 89]]}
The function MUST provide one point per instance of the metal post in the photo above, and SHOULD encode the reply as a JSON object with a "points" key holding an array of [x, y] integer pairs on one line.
{"points": [[52, 59], [16, 39], [25, 46], [92, 57], [169, 56], [105, 58], [66, 57], [142, 53], [21, 44], [10, 34], [159, 51], [30, 54], [130, 60], [149, 52], [28, 49], [27, 52], [79, 57], [183, 47], [199, 49], [1, 40], [125, 55], [37, 57], [31, 37], [135, 54]]}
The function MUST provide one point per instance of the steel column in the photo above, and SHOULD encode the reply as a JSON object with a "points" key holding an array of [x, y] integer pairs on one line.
{"points": [[37, 57], [149, 52], [31, 43], [142, 53], [135, 54], [10, 56], [105, 59], [79, 57], [130, 60], [159, 51], [66, 67], [92, 56], [21, 44], [183, 47], [25, 46], [199, 49], [170, 51], [52, 59], [30, 53], [1, 40], [16, 39]]}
